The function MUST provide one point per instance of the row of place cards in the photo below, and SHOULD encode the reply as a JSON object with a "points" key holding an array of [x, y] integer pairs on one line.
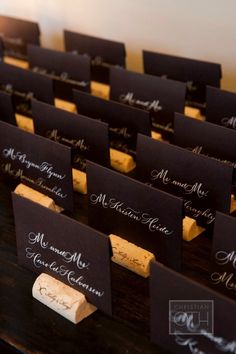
{"points": [[184, 315], [161, 98], [103, 54], [194, 178]]}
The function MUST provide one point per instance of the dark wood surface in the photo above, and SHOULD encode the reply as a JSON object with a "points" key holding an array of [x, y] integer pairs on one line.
{"points": [[30, 327]]}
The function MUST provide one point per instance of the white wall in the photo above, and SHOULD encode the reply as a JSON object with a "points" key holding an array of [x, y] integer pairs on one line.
{"points": [[201, 29]]}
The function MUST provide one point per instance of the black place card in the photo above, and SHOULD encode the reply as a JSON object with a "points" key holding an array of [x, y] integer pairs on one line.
{"points": [[25, 85], [87, 137], [147, 217], [124, 122], [52, 243], [204, 184], [16, 34], [104, 53], [223, 265], [68, 71], [221, 107], [7, 113], [160, 97], [37, 162], [196, 73], [1, 49], [187, 317], [206, 139]]}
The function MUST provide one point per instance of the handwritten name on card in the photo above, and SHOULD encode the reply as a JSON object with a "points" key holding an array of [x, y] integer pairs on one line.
{"points": [[223, 260], [159, 97], [67, 70], [153, 223], [204, 184], [87, 137], [104, 53], [38, 163], [124, 122], [149, 218], [80, 259], [24, 85], [221, 107], [206, 139], [195, 73]]}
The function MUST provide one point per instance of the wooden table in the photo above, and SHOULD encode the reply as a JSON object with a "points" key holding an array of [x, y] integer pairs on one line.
{"points": [[30, 327]]}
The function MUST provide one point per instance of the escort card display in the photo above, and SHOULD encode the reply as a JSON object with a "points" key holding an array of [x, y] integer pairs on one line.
{"points": [[187, 317], [196, 73], [147, 217], [87, 137], [160, 97], [203, 183], [25, 85], [16, 34], [7, 113], [206, 139], [221, 107], [37, 162], [52, 243], [68, 71], [124, 122], [223, 268], [104, 53]]}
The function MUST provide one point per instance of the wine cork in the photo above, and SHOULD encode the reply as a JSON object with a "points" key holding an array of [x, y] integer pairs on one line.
{"points": [[36, 197], [65, 105], [24, 123], [131, 256], [121, 161], [232, 204], [193, 112], [79, 181], [100, 90], [156, 135], [61, 298], [23, 64], [191, 229]]}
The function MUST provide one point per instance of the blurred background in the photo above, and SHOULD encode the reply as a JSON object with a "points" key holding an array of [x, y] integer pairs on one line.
{"points": [[203, 29]]}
